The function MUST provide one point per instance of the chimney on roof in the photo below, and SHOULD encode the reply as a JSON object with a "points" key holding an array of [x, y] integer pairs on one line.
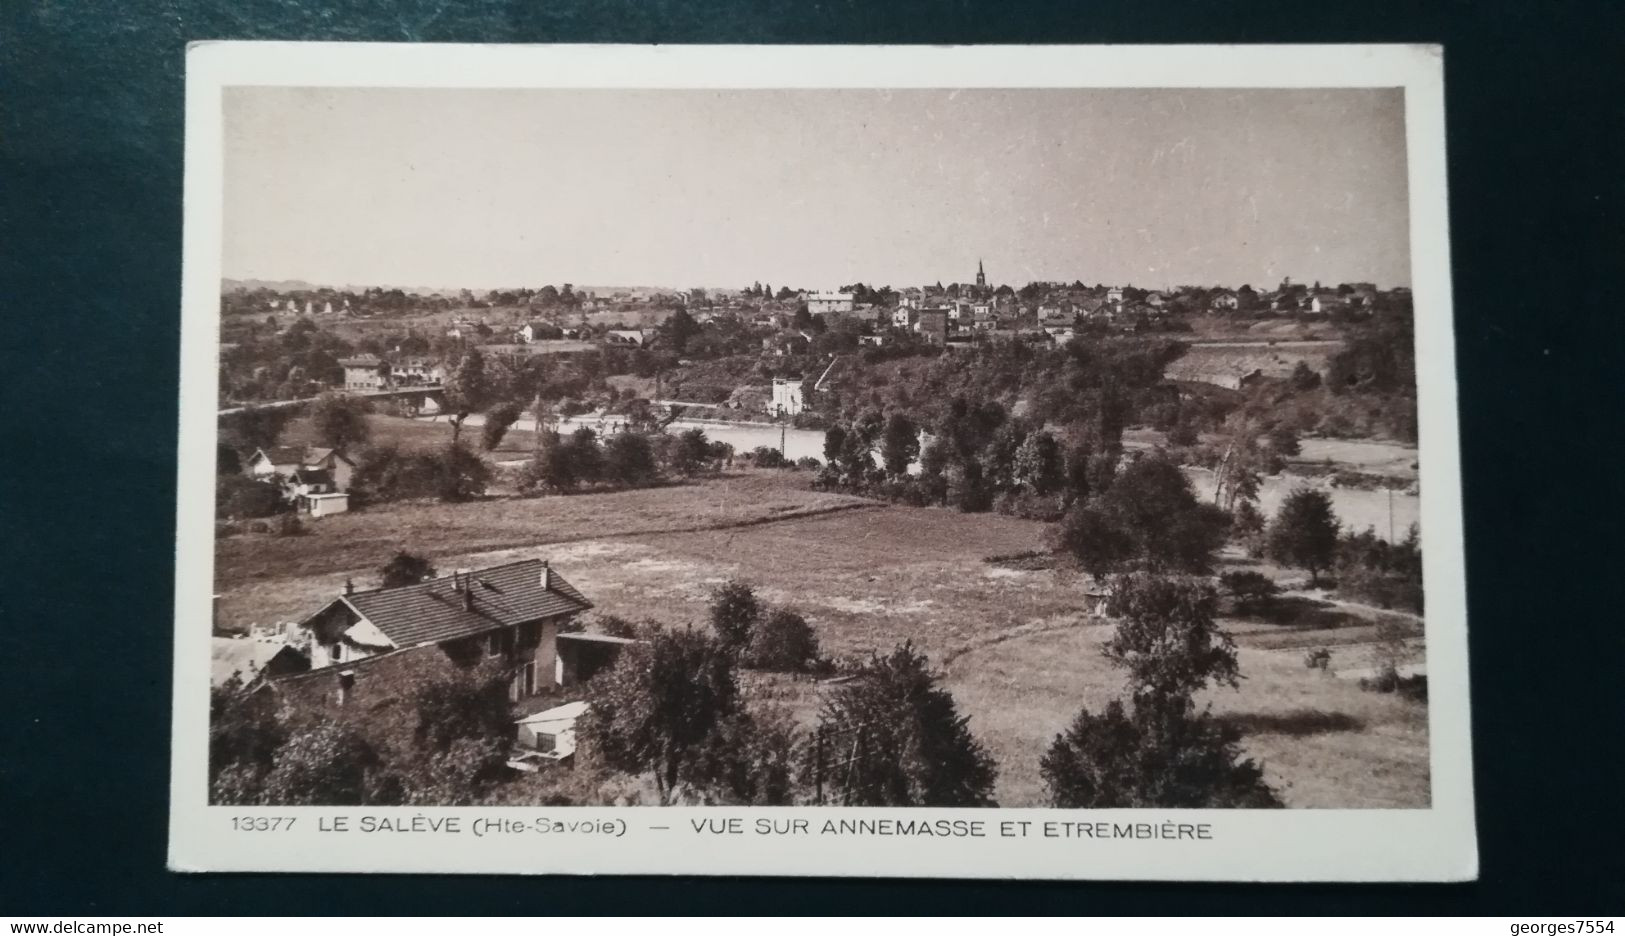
{"points": [[463, 581], [349, 586], [547, 574]]}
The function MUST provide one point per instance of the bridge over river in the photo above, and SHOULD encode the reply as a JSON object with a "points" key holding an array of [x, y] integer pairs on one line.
{"points": [[426, 392]]}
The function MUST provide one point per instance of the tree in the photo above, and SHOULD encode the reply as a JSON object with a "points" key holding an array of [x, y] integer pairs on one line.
{"points": [[899, 443], [1149, 516], [1145, 755], [459, 474], [454, 704], [405, 569], [659, 706], [560, 464], [244, 732], [324, 764], [254, 427], [1095, 538], [629, 460], [967, 489], [467, 389], [751, 759], [340, 419], [781, 642], [1251, 590], [1304, 532], [498, 420], [906, 743], [678, 329], [1303, 379], [1038, 463], [1154, 502], [238, 497], [1166, 637], [734, 613], [834, 443], [687, 452], [1284, 440]]}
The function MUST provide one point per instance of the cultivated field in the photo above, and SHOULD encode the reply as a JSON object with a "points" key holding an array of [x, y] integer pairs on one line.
{"points": [[1017, 653]]}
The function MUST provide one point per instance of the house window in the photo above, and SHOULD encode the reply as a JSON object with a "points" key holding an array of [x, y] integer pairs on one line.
{"points": [[493, 644], [527, 678], [334, 651], [528, 634]]}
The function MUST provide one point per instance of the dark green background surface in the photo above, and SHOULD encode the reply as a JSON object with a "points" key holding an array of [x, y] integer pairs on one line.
{"points": [[90, 206]]}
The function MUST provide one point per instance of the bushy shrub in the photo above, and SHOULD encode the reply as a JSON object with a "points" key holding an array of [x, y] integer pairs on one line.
{"points": [[288, 525], [238, 497], [1251, 590], [767, 457], [734, 614], [782, 642], [388, 473], [809, 462], [1047, 508], [1146, 755]]}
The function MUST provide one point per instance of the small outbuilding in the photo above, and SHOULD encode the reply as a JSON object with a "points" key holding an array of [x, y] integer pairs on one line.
{"points": [[325, 505]]}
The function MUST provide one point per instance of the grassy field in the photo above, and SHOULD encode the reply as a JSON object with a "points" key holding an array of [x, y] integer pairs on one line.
{"points": [[419, 433], [1016, 652], [264, 578]]}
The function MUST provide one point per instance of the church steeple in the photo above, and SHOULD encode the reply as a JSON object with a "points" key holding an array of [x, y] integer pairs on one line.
{"points": [[981, 275]]}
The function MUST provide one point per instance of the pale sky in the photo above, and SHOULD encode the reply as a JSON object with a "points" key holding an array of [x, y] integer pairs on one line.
{"points": [[814, 189]]}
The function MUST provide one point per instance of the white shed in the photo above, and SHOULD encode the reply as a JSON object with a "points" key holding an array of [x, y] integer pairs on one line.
{"points": [[322, 505], [552, 732]]}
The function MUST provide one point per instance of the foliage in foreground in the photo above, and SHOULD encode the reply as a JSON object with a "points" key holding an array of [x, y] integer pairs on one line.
{"points": [[893, 736], [1155, 748], [1142, 754]]}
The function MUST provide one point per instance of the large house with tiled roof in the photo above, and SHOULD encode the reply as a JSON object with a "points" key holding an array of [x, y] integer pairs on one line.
{"points": [[510, 614]]}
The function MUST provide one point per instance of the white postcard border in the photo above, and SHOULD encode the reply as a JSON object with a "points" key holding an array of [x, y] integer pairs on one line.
{"points": [[1432, 844]]}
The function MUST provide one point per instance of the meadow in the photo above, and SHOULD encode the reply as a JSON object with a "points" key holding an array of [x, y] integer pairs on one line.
{"points": [[1011, 640]]}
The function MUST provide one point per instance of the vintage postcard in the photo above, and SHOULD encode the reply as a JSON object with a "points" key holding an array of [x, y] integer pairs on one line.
{"points": [[887, 461]]}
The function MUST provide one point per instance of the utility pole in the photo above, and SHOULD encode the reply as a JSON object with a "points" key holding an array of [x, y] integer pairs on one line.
{"points": [[1390, 514]]}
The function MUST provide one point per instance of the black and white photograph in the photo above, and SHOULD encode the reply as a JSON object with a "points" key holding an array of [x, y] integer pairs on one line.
{"points": [[960, 443]]}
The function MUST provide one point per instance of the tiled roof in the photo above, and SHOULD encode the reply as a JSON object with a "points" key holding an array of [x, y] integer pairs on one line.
{"points": [[315, 456], [284, 455], [361, 360], [433, 612]]}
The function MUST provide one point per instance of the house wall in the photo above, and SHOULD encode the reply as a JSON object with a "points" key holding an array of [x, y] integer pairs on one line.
{"points": [[341, 471]]}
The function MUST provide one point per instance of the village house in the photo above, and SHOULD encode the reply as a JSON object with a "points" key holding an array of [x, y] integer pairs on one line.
{"points": [[314, 479], [933, 325], [903, 316], [365, 372], [787, 396], [534, 331], [417, 372], [820, 303], [509, 614], [1061, 335], [283, 461], [625, 337]]}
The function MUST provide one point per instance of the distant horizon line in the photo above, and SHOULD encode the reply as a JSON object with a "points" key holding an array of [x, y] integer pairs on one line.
{"points": [[266, 282]]}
